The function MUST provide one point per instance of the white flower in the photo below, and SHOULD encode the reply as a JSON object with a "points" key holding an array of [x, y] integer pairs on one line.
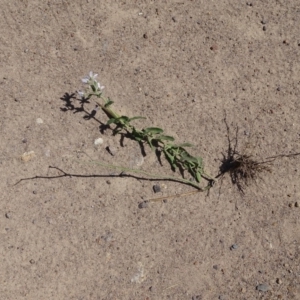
{"points": [[99, 86], [85, 79], [90, 77]]}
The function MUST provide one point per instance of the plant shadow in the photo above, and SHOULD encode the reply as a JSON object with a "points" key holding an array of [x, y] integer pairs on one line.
{"points": [[72, 103]]}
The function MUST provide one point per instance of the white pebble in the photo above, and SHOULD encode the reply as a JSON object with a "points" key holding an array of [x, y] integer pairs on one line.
{"points": [[98, 141], [47, 152], [27, 156], [39, 121]]}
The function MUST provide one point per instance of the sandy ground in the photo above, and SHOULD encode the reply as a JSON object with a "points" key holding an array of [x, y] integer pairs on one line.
{"points": [[183, 65]]}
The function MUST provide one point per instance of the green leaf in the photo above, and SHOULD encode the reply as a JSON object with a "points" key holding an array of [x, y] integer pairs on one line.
{"points": [[153, 130], [167, 147], [170, 158], [111, 121], [108, 103], [165, 137], [123, 119], [186, 156], [150, 143], [135, 118], [200, 161], [137, 134], [184, 145], [198, 176]]}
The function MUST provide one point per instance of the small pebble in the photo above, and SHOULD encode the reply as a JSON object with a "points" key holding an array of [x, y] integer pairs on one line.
{"points": [[234, 247], [296, 204], [98, 141], [264, 28], [156, 188], [214, 47], [108, 237], [108, 181], [8, 215], [27, 156], [47, 152], [198, 297], [39, 121], [278, 281], [32, 261], [262, 287], [143, 204], [215, 267]]}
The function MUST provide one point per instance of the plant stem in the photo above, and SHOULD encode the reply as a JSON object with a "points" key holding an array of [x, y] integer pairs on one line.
{"points": [[108, 111]]}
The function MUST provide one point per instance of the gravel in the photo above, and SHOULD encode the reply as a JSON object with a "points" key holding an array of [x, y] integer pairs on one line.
{"points": [[262, 287]]}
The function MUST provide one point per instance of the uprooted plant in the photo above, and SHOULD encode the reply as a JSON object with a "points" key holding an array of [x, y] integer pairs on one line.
{"points": [[176, 154], [242, 167]]}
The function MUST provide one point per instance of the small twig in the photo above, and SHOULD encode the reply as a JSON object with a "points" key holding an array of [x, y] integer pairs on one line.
{"points": [[150, 175], [284, 155]]}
